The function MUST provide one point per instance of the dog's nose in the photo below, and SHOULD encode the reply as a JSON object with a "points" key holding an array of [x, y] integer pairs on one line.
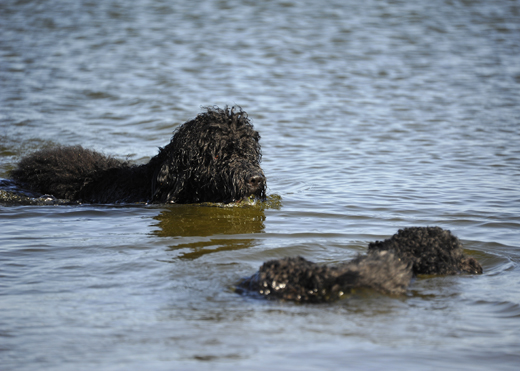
{"points": [[256, 181]]}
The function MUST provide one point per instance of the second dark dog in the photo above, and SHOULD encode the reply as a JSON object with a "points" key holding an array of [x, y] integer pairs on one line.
{"points": [[388, 267], [300, 280]]}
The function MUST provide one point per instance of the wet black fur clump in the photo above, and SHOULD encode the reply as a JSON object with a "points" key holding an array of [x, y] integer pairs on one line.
{"points": [[430, 250], [300, 280], [212, 158], [388, 267]]}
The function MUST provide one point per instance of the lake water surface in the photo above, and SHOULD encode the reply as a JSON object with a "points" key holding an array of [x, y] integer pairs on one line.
{"points": [[374, 116]]}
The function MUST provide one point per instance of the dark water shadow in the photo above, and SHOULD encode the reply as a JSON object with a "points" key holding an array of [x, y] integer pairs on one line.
{"points": [[209, 228]]}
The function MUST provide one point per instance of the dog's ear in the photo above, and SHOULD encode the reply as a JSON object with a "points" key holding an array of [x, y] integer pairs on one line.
{"points": [[167, 185]]}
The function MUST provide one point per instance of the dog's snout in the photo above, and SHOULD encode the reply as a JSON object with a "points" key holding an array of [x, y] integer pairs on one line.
{"points": [[255, 184], [256, 181]]}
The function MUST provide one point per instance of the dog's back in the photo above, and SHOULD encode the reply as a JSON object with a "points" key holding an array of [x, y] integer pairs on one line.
{"points": [[63, 171]]}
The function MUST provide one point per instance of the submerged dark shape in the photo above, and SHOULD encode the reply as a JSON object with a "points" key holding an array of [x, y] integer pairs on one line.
{"points": [[388, 267], [300, 280], [430, 250], [212, 158]]}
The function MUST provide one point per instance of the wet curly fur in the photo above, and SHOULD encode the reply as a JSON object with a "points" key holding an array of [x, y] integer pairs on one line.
{"points": [[300, 280], [212, 158], [431, 250], [387, 267]]}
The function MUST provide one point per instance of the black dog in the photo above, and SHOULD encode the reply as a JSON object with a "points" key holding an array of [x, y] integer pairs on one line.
{"points": [[431, 250], [388, 267], [212, 158], [300, 280]]}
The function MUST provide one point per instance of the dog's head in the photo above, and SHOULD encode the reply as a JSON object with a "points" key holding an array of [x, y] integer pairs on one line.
{"points": [[212, 158], [431, 250]]}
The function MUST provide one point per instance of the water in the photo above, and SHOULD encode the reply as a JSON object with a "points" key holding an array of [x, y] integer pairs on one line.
{"points": [[374, 116]]}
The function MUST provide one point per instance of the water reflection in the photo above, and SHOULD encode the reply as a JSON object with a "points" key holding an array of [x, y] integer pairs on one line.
{"points": [[204, 229]]}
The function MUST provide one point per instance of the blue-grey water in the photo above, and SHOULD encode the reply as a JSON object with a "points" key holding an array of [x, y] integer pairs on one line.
{"points": [[374, 115]]}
